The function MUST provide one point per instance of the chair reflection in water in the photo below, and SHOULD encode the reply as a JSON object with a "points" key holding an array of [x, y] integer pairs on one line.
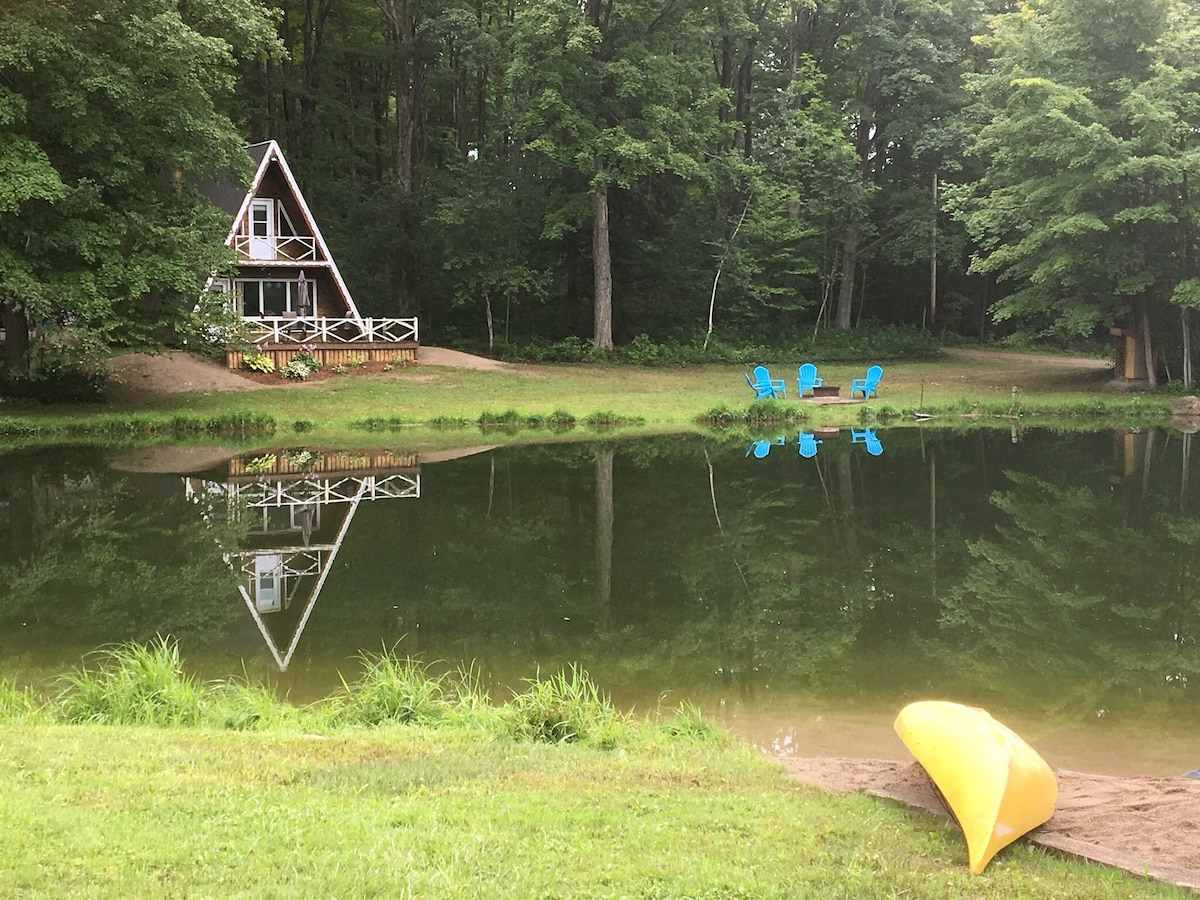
{"points": [[808, 444], [868, 437], [759, 449]]}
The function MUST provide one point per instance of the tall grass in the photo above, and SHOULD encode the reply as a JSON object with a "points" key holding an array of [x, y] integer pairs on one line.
{"points": [[568, 707], [392, 690], [145, 684], [16, 703], [133, 684]]}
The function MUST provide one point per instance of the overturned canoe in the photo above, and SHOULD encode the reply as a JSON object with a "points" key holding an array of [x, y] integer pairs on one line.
{"points": [[995, 784]]}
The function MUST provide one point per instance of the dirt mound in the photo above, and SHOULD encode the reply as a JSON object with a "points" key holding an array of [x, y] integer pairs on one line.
{"points": [[139, 377]]}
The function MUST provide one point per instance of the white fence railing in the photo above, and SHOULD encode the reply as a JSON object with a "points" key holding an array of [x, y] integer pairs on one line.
{"points": [[280, 247], [326, 490], [320, 329]]}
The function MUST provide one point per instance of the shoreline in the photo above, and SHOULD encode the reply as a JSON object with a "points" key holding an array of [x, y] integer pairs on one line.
{"points": [[1149, 827]]}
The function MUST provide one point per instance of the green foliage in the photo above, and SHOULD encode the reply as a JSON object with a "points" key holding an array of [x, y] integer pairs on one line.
{"points": [[257, 361], [213, 327], [868, 344], [1081, 204], [116, 241], [66, 365], [300, 366], [763, 412], [295, 370], [242, 706], [608, 419]]}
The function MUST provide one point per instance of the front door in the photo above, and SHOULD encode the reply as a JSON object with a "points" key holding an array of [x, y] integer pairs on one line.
{"points": [[262, 229]]}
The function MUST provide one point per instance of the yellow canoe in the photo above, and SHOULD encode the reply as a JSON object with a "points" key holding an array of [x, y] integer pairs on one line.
{"points": [[996, 785]]}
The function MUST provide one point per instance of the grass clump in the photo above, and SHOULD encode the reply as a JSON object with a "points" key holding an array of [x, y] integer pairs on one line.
{"points": [[608, 419], [448, 422], [565, 708], [376, 423], [133, 684], [688, 723], [765, 412], [16, 704], [509, 420], [391, 690]]}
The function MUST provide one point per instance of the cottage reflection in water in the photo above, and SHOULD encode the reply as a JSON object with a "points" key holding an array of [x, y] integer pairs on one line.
{"points": [[300, 504]]}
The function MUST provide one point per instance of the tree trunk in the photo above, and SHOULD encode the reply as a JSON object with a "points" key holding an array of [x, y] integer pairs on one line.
{"points": [[846, 288], [1151, 367], [602, 267], [1187, 347], [604, 533], [402, 28], [16, 340]]}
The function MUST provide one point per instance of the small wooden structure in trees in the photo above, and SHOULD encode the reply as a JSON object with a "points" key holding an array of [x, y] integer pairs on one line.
{"points": [[1130, 363], [288, 287]]}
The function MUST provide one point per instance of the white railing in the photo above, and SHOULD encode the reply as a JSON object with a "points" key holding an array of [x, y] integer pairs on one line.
{"points": [[285, 247], [294, 562], [323, 330], [326, 490]]}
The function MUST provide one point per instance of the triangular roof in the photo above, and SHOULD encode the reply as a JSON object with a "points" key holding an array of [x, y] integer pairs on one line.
{"points": [[236, 202]]}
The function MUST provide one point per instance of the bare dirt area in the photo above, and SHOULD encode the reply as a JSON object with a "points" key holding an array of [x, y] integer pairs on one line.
{"points": [[1147, 826], [1039, 372]]}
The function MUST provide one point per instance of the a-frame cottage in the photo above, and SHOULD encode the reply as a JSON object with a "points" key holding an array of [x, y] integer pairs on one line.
{"points": [[288, 288]]}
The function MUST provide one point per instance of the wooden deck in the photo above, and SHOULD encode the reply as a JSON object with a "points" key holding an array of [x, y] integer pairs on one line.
{"points": [[333, 342]]}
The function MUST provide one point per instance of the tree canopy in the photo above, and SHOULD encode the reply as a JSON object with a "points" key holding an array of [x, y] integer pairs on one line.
{"points": [[525, 170], [110, 116]]}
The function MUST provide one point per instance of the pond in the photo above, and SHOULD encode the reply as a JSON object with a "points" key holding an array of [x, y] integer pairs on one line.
{"points": [[800, 589]]}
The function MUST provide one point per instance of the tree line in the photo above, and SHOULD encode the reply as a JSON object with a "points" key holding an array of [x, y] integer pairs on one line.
{"points": [[509, 170]]}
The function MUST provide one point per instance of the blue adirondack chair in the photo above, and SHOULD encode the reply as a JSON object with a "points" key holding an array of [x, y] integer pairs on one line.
{"points": [[762, 448], [867, 436], [764, 386], [808, 444], [806, 379], [867, 385]]}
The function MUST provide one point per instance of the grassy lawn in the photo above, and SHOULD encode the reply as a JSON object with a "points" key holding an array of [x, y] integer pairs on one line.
{"points": [[95, 811], [955, 391]]}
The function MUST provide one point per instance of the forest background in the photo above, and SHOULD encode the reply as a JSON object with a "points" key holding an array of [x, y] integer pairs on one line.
{"points": [[572, 176]]}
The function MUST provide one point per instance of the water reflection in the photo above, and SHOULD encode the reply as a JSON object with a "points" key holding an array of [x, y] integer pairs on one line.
{"points": [[297, 506], [807, 442], [1051, 580]]}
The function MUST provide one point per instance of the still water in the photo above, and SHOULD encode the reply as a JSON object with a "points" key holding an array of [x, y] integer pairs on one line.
{"points": [[799, 589]]}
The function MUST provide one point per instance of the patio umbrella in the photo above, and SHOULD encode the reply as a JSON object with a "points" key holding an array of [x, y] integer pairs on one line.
{"points": [[302, 294]]}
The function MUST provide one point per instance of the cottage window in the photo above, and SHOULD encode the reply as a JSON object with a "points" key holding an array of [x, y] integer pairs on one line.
{"points": [[272, 297]]}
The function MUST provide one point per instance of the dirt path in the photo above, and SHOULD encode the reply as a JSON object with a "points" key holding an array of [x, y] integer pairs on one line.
{"points": [[1054, 362]]}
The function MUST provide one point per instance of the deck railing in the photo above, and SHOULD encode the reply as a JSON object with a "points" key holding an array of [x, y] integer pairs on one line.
{"points": [[281, 247], [324, 330]]}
